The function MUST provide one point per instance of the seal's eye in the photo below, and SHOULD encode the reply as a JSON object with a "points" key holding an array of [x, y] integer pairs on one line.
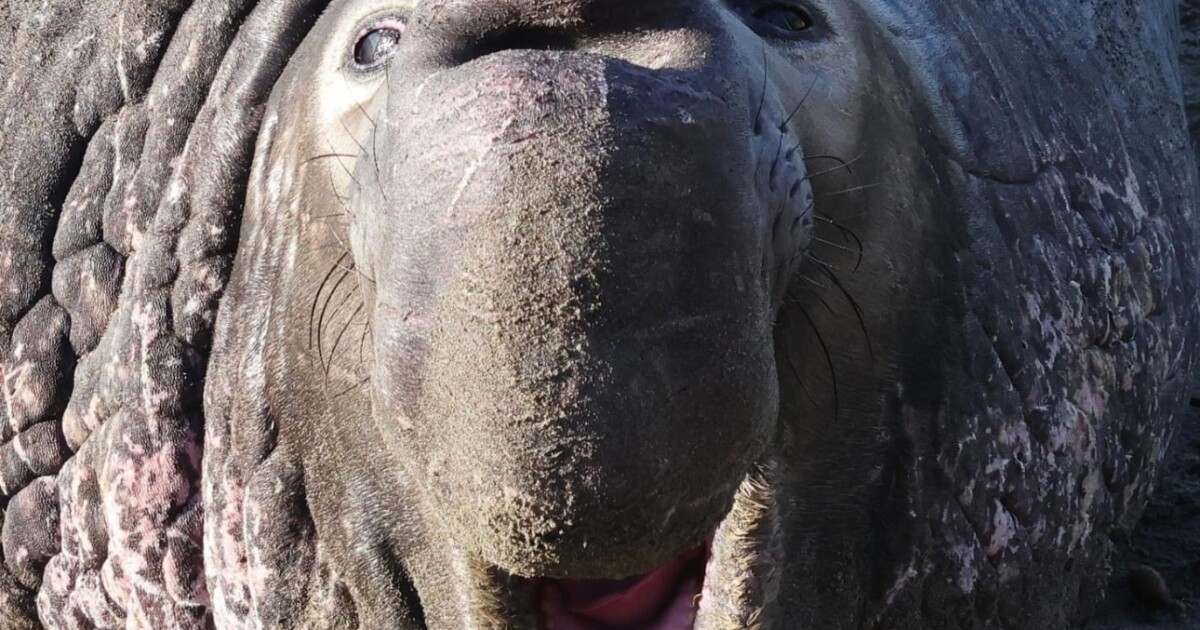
{"points": [[784, 20], [377, 44]]}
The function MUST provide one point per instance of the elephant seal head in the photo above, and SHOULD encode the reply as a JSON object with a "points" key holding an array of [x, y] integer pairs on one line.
{"points": [[508, 288], [538, 315]]}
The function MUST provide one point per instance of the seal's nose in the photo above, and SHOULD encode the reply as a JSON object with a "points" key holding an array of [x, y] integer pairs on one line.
{"points": [[573, 301], [455, 32]]}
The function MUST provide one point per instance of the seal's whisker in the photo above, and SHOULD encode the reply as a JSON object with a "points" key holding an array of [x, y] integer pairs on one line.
{"points": [[321, 318], [820, 299], [825, 264], [849, 236], [362, 276], [344, 202], [331, 245], [358, 385], [348, 269], [338, 237], [375, 158], [775, 163], [362, 343], [358, 104], [857, 252], [328, 217], [812, 282], [326, 156], [340, 306], [348, 173], [362, 149], [837, 407], [799, 253], [787, 355], [336, 342], [851, 190], [762, 99], [832, 221], [854, 305], [312, 315], [830, 157], [791, 153], [843, 165], [387, 94], [340, 243], [336, 234], [803, 100], [783, 131]]}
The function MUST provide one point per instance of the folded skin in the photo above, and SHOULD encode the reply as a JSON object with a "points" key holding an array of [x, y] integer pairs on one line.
{"points": [[587, 313]]}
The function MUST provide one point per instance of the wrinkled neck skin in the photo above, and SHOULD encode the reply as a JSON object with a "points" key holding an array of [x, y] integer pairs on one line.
{"points": [[515, 314]]}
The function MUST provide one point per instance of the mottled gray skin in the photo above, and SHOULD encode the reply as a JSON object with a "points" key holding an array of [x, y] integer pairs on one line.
{"points": [[566, 283]]}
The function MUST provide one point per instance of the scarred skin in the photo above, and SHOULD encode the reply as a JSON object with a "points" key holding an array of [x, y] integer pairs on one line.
{"points": [[897, 311]]}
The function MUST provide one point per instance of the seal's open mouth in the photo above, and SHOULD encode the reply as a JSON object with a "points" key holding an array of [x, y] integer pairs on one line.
{"points": [[664, 599], [729, 582]]}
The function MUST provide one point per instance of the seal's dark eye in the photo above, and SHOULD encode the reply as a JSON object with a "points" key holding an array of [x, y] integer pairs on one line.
{"points": [[376, 45], [784, 20]]}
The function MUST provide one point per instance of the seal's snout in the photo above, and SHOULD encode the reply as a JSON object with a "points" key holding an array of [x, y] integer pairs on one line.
{"points": [[570, 310]]}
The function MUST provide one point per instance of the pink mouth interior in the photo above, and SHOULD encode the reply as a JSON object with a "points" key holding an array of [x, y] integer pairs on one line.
{"points": [[663, 599]]}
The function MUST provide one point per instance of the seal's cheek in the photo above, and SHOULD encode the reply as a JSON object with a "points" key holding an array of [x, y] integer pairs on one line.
{"points": [[808, 132], [784, 184]]}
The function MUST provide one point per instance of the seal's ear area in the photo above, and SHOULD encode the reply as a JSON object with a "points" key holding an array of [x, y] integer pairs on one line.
{"points": [[127, 134]]}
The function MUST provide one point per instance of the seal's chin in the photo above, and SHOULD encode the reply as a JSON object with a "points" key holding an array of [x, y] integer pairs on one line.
{"points": [[729, 581]]}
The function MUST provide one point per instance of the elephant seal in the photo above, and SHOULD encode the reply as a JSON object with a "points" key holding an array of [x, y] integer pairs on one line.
{"points": [[592, 313]]}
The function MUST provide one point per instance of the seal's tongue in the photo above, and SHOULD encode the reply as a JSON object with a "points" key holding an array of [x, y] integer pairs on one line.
{"points": [[663, 599]]}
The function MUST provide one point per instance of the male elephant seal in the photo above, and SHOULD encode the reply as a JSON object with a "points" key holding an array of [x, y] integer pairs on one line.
{"points": [[578, 314]]}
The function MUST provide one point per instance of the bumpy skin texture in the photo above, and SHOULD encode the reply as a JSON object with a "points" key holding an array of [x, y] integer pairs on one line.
{"points": [[1069, 276], [1022, 188], [128, 127]]}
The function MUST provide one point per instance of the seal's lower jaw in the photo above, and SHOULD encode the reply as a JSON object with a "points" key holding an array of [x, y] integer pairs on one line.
{"points": [[730, 581]]}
